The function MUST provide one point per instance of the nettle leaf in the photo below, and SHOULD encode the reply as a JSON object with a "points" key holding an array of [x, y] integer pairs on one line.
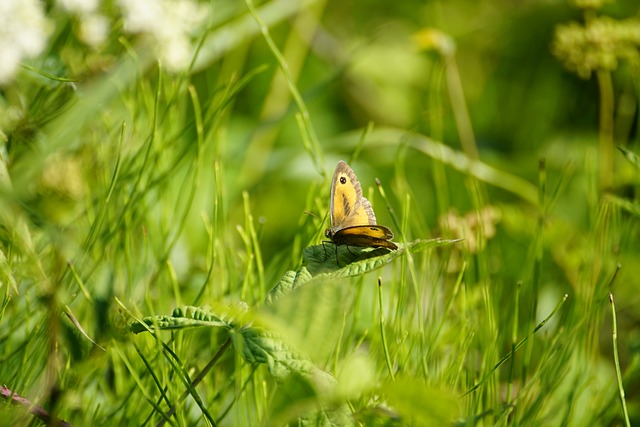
{"points": [[313, 388], [289, 282], [304, 392], [190, 316], [330, 261], [345, 261], [328, 258], [631, 156], [311, 318], [257, 345]]}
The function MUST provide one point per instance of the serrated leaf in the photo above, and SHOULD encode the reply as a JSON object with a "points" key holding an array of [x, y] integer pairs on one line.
{"points": [[310, 318], [328, 259], [354, 261], [190, 316], [302, 385], [335, 417], [297, 402], [631, 156], [290, 281], [257, 345]]}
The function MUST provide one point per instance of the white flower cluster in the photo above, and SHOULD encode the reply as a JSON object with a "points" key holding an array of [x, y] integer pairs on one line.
{"points": [[23, 34], [94, 27], [171, 25], [169, 22]]}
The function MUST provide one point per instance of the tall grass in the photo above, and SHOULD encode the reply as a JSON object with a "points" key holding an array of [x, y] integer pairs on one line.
{"points": [[157, 267]]}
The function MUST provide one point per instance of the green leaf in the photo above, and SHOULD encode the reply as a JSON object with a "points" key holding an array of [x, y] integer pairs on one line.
{"points": [[329, 260], [290, 281], [346, 261], [311, 318], [297, 402], [257, 345], [356, 376], [305, 392], [189, 316]]}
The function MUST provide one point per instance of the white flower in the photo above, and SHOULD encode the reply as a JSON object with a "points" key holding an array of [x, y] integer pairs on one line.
{"points": [[23, 34], [143, 16], [81, 7], [94, 29], [169, 22]]}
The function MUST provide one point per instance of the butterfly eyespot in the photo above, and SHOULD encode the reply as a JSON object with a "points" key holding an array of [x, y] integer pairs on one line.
{"points": [[343, 180]]}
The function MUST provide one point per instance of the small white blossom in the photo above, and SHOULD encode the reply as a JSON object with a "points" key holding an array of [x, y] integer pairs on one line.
{"points": [[80, 7], [169, 22], [94, 29], [23, 34]]}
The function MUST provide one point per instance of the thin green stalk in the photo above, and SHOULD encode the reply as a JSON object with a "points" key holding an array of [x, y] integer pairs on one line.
{"points": [[517, 347], [140, 383], [401, 283], [239, 393], [459, 107], [605, 86], [464, 163], [538, 255], [514, 337], [183, 375], [616, 358], [383, 337], [363, 137], [212, 231], [277, 101], [401, 292], [96, 225], [257, 253], [284, 67]]}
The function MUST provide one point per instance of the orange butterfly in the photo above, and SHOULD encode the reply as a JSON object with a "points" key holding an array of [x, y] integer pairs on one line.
{"points": [[353, 222]]}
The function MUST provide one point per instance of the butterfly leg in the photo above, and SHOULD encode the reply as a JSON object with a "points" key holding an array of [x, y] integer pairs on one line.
{"points": [[325, 249]]}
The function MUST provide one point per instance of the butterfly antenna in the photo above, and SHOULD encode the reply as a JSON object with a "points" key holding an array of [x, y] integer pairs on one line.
{"points": [[312, 214], [322, 221], [315, 216]]}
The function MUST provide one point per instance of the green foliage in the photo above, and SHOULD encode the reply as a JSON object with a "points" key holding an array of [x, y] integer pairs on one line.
{"points": [[157, 267]]}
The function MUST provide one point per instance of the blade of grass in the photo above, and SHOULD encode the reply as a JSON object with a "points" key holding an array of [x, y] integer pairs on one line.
{"points": [[387, 357], [517, 347], [623, 401], [318, 157]]}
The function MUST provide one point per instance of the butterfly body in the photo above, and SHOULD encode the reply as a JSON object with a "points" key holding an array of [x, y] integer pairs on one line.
{"points": [[353, 222]]}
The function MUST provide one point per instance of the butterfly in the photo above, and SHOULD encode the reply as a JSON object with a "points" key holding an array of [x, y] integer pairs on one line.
{"points": [[353, 222]]}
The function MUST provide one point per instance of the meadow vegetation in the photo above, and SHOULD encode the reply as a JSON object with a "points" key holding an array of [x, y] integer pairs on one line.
{"points": [[159, 158]]}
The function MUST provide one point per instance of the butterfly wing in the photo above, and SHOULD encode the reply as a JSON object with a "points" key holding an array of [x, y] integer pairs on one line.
{"points": [[369, 236], [348, 206], [353, 222]]}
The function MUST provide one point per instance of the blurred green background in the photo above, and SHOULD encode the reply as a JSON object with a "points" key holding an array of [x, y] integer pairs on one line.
{"points": [[126, 177]]}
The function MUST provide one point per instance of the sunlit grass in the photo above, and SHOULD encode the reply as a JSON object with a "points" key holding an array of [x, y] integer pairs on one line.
{"points": [[158, 267]]}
